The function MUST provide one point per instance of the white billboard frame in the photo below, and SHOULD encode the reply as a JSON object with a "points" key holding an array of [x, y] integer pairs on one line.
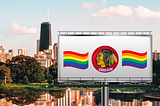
{"points": [[104, 79]]}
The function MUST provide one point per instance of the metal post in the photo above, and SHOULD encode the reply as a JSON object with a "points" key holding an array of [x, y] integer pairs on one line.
{"points": [[5, 79], [104, 94]]}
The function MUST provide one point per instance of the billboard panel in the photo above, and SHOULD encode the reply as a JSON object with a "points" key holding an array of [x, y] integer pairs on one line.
{"points": [[108, 58]]}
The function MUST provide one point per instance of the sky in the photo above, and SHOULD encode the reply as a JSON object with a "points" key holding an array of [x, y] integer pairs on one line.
{"points": [[20, 20]]}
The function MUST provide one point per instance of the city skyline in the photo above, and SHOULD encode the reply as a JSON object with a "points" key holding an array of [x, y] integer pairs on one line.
{"points": [[21, 20]]}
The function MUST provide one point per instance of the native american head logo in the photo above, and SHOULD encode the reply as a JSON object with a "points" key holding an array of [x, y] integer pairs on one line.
{"points": [[105, 59]]}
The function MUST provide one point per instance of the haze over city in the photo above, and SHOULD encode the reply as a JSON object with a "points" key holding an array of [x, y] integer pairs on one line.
{"points": [[21, 20]]}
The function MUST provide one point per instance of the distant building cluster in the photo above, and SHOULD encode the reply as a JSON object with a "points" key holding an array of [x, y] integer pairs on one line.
{"points": [[4, 56], [71, 98], [135, 102]]}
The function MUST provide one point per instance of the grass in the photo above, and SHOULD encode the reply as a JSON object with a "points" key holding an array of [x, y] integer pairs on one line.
{"points": [[31, 85], [42, 85], [150, 89], [46, 86]]}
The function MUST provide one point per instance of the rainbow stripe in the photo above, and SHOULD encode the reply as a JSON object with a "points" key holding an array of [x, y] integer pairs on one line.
{"points": [[134, 59], [76, 60]]}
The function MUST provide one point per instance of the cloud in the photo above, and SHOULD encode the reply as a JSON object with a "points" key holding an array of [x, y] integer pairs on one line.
{"points": [[114, 12], [143, 13], [93, 5], [88, 5], [103, 2], [16, 29]]}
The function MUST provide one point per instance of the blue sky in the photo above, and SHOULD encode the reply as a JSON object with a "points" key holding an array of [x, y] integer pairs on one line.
{"points": [[20, 20]]}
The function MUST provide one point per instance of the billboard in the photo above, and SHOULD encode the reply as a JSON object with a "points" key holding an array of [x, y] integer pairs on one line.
{"points": [[105, 58]]}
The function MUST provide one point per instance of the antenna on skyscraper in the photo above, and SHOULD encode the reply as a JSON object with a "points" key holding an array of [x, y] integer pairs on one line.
{"points": [[43, 13], [48, 15]]}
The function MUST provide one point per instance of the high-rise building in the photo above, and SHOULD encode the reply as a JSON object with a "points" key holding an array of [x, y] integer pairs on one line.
{"points": [[22, 51], [11, 51], [55, 48], [38, 43], [45, 36], [156, 55], [1, 49]]}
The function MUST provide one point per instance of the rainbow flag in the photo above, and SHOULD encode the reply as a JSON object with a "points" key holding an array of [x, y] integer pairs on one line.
{"points": [[134, 59], [74, 59]]}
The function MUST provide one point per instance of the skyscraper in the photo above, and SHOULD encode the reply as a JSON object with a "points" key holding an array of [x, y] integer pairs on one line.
{"points": [[22, 51], [55, 48], [45, 35]]}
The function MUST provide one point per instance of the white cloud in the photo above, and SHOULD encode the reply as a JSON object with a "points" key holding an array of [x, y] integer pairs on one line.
{"points": [[103, 2], [88, 5], [16, 29], [93, 5], [114, 12], [143, 13]]}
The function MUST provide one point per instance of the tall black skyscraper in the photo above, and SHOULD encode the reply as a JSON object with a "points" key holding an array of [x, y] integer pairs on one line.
{"points": [[45, 36]]}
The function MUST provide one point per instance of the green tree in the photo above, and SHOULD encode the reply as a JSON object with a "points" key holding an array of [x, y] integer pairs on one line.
{"points": [[25, 80], [22, 66], [5, 71], [52, 73]]}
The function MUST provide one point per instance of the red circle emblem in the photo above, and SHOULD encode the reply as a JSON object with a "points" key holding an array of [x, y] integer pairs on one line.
{"points": [[105, 59]]}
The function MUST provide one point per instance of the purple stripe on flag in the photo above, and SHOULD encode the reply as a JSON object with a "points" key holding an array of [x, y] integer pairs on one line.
{"points": [[127, 64], [71, 65]]}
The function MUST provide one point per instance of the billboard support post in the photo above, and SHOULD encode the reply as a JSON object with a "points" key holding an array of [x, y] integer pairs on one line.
{"points": [[104, 94]]}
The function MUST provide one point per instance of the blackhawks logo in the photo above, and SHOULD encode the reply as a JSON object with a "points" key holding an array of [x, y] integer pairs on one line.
{"points": [[105, 59]]}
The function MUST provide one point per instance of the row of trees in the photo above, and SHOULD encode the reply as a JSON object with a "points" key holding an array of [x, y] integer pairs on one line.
{"points": [[25, 69]]}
